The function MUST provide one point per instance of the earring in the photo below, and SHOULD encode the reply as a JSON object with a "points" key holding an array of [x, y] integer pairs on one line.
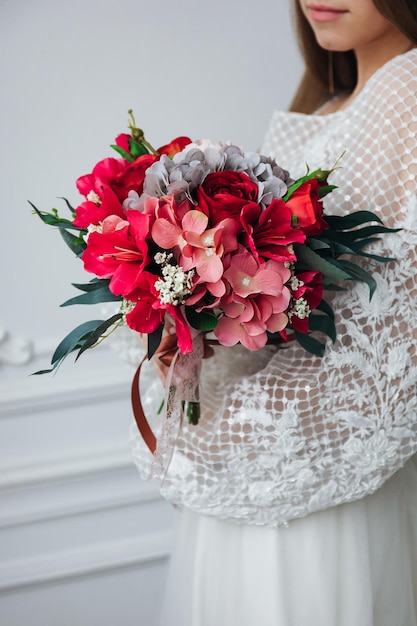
{"points": [[330, 72]]}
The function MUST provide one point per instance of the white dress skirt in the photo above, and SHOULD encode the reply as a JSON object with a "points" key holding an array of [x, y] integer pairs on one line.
{"points": [[351, 565]]}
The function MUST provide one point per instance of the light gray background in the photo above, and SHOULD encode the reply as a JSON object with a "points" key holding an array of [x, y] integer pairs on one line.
{"points": [[69, 72], [82, 539]]}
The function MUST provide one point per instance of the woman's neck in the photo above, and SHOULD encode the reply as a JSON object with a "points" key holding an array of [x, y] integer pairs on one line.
{"points": [[374, 55], [369, 60]]}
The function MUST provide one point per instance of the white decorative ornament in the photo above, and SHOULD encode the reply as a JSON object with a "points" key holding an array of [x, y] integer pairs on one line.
{"points": [[14, 350]]}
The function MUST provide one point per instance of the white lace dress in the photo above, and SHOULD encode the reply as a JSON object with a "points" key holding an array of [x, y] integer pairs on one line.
{"points": [[298, 488]]}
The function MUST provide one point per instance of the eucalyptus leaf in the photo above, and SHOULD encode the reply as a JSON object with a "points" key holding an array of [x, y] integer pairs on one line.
{"points": [[360, 274], [323, 324], [54, 219], [74, 242], [311, 260], [95, 283], [71, 208], [318, 244], [352, 220], [310, 344], [368, 231], [97, 333], [326, 308], [93, 297], [74, 339]]}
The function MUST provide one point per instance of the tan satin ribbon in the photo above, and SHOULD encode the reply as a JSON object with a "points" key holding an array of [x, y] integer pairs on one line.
{"points": [[166, 352]]}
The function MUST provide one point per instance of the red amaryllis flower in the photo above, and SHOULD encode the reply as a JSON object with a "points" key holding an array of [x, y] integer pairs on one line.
{"points": [[119, 252], [99, 177], [224, 194], [307, 207], [271, 236], [89, 212], [147, 314]]}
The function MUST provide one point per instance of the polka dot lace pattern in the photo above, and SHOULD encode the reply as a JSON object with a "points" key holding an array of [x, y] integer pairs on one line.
{"points": [[284, 433]]}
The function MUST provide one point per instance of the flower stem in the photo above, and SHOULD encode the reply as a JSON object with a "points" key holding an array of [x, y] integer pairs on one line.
{"points": [[138, 134], [193, 412]]}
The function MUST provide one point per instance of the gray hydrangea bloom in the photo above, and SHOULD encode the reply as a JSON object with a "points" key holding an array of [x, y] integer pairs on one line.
{"points": [[189, 168]]}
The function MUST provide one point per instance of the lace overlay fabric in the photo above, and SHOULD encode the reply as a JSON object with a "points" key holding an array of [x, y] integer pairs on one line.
{"points": [[284, 433]]}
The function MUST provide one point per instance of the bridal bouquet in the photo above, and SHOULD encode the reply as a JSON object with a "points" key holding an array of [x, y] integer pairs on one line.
{"points": [[209, 241]]}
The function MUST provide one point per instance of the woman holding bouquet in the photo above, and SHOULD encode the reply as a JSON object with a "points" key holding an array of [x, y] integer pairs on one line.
{"points": [[299, 484]]}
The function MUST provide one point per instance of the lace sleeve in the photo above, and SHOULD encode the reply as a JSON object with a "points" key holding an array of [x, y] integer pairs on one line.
{"points": [[284, 433]]}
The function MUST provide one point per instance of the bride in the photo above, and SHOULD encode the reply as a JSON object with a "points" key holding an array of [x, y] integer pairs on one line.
{"points": [[298, 488]]}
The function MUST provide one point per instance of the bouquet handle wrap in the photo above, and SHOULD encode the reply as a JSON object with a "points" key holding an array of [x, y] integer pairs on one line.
{"points": [[181, 388]]}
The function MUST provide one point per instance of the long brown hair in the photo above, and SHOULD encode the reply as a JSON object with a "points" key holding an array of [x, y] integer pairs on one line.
{"points": [[313, 90]]}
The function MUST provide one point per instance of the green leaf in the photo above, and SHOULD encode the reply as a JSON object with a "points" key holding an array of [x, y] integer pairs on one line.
{"points": [[326, 308], [325, 189], [311, 260], [310, 344], [318, 244], [201, 321], [137, 149], [123, 153], [74, 242], [359, 273], [367, 231], [73, 340], [95, 283], [193, 413], [97, 333], [323, 324], [71, 208], [154, 339], [93, 297], [352, 220], [53, 219]]}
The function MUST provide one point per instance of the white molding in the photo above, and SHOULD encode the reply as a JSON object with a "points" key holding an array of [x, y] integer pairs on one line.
{"points": [[97, 559], [68, 389], [14, 350], [56, 474], [67, 511], [63, 468]]}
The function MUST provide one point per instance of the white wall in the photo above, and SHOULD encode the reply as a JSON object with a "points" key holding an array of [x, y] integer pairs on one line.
{"points": [[82, 539]]}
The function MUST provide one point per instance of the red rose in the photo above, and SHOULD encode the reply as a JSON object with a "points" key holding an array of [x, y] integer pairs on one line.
{"points": [[119, 174], [224, 194], [132, 177], [307, 207], [175, 146], [122, 141]]}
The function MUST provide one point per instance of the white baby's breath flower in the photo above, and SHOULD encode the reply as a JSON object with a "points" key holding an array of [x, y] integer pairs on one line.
{"points": [[295, 283], [300, 309], [175, 284]]}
